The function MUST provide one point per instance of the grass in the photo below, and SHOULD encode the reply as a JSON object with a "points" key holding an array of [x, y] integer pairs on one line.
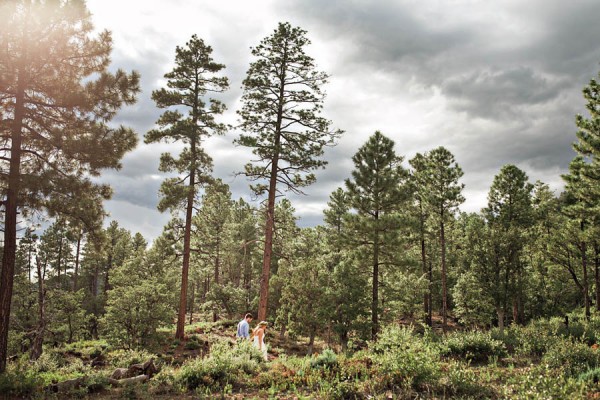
{"points": [[404, 363]]}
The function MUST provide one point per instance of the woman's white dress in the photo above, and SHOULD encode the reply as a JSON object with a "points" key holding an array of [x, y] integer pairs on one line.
{"points": [[263, 347]]}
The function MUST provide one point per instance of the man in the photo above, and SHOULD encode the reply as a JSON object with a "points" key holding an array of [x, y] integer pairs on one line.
{"points": [[243, 328]]}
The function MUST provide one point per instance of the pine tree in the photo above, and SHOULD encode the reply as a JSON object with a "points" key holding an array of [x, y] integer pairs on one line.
{"points": [[210, 233], [194, 75], [282, 103], [419, 183], [57, 99], [582, 210], [443, 195], [376, 191], [509, 214], [584, 179]]}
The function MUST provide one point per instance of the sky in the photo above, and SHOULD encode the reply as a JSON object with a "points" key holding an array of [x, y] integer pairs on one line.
{"points": [[494, 82]]}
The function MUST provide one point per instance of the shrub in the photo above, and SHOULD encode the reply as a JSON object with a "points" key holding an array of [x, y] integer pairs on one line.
{"points": [[47, 362], [221, 368], [192, 345], [404, 359], [212, 373], [542, 383], [87, 348], [590, 376], [459, 380], [473, 346], [164, 382], [19, 383], [125, 358], [326, 359], [572, 357]]}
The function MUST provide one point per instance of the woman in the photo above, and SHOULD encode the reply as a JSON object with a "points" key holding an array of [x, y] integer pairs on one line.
{"points": [[259, 338]]}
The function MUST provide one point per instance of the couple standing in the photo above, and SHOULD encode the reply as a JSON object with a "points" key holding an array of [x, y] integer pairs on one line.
{"points": [[258, 333]]}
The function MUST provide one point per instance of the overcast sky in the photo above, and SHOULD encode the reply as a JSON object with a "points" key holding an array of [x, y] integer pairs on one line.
{"points": [[494, 82]]}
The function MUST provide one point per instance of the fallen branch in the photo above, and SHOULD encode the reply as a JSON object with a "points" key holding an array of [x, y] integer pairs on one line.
{"points": [[127, 381]]}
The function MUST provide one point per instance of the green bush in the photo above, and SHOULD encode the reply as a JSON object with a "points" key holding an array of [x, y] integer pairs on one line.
{"points": [[192, 345], [572, 357], [405, 359], [225, 365], [590, 376], [459, 380], [542, 383], [164, 382], [19, 383], [473, 346], [212, 373], [125, 358], [88, 348], [326, 359]]}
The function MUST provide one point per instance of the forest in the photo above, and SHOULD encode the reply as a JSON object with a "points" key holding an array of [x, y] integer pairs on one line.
{"points": [[397, 294]]}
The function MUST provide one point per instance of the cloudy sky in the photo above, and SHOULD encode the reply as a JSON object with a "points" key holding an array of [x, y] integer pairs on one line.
{"points": [[494, 82]]}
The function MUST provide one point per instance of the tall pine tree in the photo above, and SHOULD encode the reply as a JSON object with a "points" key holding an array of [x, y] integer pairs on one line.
{"points": [[57, 99], [195, 74], [443, 195], [281, 115], [376, 191]]}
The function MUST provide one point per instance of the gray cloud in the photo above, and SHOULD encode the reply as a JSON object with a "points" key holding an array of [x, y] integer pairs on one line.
{"points": [[495, 83]]}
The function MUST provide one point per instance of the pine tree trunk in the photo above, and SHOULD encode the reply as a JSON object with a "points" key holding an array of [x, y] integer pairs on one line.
{"points": [[597, 273], [586, 293], [180, 332], [344, 340], [77, 253], [444, 288], [59, 261], [311, 341], [270, 222], [375, 299], [36, 348], [426, 295], [12, 190], [192, 304], [217, 267], [500, 313]]}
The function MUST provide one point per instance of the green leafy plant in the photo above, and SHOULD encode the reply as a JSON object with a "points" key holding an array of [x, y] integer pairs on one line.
{"points": [[473, 346]]}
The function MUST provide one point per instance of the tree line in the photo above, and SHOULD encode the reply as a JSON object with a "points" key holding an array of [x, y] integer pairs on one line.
{"points": [[393, 244]]}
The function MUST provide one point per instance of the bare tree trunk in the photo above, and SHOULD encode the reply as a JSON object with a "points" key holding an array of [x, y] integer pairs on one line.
{"points": [[12, 190]]}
